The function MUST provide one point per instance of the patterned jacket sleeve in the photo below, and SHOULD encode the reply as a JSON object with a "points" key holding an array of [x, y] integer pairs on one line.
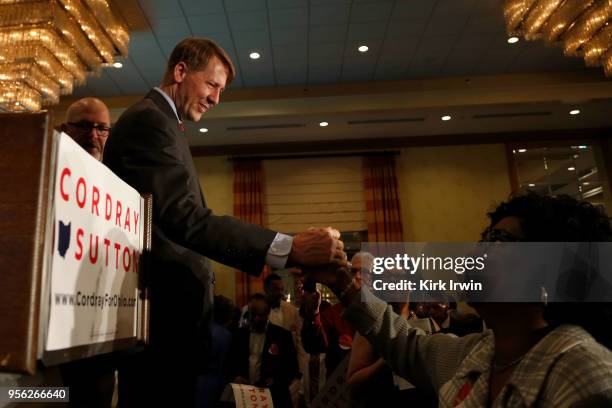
{"points": [[425, 361]]}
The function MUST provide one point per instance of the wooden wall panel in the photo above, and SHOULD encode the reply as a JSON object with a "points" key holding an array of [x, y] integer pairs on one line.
{"points": [[24, 177]]}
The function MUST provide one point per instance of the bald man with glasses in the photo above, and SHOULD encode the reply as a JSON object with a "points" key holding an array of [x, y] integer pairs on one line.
{"points": [[88, 123]]}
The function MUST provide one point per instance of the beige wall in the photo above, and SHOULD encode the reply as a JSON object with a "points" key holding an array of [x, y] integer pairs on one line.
{"points": [[216, 179], [445, 191]]}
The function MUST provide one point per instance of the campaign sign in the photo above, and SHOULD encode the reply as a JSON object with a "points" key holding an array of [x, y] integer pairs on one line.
{"points": [[98, 238], [247, 396]]}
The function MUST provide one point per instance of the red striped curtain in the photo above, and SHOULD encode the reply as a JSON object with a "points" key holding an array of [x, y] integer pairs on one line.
{"points": [[382, 199], [248, 206]]}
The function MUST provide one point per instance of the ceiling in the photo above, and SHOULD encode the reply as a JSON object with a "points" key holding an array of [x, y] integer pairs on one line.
{"points": [[310, 69]]}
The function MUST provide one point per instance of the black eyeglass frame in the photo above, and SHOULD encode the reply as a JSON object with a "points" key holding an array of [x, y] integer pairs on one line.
{"points": [[499, 235], [86, 125]]}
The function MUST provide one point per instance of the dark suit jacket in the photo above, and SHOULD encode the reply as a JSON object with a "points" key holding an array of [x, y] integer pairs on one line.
{"points": [[147, 150], [278, 361]]}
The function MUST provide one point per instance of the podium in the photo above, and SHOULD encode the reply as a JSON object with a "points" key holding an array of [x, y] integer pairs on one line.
{"points": [[74, 240]]}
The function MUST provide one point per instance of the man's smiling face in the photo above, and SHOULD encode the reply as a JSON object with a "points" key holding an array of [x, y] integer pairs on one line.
{"points": [[198, 91]]}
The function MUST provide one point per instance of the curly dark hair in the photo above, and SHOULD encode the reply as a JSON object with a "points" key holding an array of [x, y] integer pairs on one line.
{"points": [[555, 219], [563, 219]]}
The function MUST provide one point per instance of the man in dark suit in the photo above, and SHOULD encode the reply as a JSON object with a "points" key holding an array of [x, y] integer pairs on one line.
{"points": [[264, 354], [148, 149]]}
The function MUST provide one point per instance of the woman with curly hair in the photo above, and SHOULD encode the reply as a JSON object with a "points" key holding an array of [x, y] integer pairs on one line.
{"points": [[532, 355]]}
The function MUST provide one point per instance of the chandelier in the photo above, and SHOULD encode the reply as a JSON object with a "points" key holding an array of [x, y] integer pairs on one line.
{"points": [[48, 46], [581, 27]]}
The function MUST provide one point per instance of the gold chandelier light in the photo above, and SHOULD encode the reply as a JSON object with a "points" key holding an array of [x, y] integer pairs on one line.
{"points": [[581, 27], [47, 46]]}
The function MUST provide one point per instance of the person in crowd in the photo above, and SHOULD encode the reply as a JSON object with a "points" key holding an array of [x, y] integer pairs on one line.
{"points": [[148, 149], [264, 355], [88, 123], [313, 370], [212, 382], [327, 332], [287, 316], [532, 356], [373, 383], [461, 324], [282, 313], [446, 319], [436, 312]]}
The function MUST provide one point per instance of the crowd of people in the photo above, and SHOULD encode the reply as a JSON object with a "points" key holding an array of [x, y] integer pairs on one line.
{"points": [[399, 354], [293, 348]]}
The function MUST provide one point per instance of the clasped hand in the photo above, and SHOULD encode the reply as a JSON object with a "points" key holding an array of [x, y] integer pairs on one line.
{"points": [[317, 247]]}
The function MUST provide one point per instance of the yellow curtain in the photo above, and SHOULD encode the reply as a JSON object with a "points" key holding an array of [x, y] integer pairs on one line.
{"points": [[248, 206], [382, 199]]}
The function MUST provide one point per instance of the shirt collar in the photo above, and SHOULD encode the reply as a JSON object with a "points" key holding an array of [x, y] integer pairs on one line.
{"points": [[170, 102]]}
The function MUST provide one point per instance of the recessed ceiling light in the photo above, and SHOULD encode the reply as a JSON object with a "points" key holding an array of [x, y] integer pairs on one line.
{"points": [[513, 40], [323, 124], [571, 168], [363, 48], [446, 117], [254, 55], [531, 185], [582, 147], [575, 112], [522, 150], [117, 65], [203, 130]]}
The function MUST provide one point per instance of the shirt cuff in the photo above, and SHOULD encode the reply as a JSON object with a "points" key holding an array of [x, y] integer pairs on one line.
{"points": [[278, 253]]}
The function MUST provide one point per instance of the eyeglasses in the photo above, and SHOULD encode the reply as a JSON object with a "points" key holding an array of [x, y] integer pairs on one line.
{"points": [[87, 126], [498, 235]]}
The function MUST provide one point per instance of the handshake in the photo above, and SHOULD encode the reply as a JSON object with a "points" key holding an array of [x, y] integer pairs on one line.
{"points": [[317, 255]]}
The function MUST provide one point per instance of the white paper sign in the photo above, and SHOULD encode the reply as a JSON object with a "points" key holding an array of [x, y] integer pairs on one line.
{"points": [[98, 230], [248, 396]]}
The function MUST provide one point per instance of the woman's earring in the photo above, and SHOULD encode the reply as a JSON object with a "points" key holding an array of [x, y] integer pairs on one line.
{"points": [[543, 295]]}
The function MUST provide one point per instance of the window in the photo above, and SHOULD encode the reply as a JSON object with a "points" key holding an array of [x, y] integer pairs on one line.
{"points": [[576, 170]]}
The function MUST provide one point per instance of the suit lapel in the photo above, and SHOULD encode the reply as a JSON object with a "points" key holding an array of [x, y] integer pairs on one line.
{"points": [[165, 107], [179, 134]]}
